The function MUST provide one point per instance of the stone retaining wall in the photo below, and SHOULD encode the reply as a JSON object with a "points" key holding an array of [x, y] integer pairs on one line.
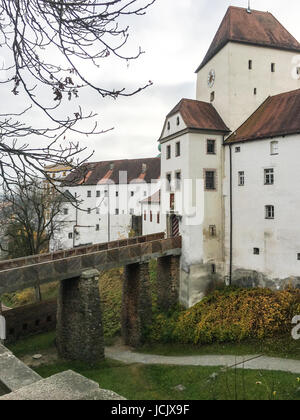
{"points": [[30, 319]]}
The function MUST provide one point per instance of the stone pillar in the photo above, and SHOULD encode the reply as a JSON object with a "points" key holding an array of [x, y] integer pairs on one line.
{"points": [[79, 321], [136, 303], [168, 282]]}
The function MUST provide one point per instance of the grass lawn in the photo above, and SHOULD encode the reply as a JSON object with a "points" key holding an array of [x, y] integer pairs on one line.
{"points": [[139, 382], [147, 382]]}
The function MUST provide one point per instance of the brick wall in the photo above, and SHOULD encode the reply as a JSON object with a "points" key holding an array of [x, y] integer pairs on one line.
{"points": [[30, 319]]}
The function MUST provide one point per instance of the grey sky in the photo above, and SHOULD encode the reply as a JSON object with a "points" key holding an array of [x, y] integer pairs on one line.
{"points": [[175, 34]]}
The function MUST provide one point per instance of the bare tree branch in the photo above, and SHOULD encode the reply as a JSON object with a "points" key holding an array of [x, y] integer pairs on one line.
{"points": [[52, 50]]}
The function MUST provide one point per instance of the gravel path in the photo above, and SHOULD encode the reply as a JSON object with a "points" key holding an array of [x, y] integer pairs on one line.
{"points": [[254, 362]]}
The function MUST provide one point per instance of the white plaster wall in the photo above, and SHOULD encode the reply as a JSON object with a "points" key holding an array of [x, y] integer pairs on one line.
{"points": [[278, 239], [197, 248], [120, 225], [235, 83], [153, 227], [174, 127]]}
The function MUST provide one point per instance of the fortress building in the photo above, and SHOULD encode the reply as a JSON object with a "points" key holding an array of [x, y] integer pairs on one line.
{"points": [[238, 143]]}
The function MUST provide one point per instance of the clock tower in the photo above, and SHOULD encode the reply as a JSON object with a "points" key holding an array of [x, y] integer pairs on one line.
{"points": [[252, 56]]}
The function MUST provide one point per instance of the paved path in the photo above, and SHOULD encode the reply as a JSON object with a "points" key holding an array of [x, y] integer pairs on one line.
{"points": [[255, 362]]}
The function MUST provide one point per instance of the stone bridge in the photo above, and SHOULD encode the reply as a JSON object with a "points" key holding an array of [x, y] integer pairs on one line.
{"points": [[79, 325]]}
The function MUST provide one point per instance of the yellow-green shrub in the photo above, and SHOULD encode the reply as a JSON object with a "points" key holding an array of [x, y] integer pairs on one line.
{"points": [[230, 315]]}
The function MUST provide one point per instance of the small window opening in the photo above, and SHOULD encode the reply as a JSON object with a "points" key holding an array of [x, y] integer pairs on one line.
{"points": [[273, 67], [212, 230], [256, 251], [250, 64]]}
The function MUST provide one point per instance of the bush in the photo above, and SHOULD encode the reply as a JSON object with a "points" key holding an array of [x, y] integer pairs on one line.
{"points": [[229, 315]]}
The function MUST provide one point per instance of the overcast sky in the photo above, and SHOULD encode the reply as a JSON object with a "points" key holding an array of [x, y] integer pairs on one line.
{"points": [[175, 35]]}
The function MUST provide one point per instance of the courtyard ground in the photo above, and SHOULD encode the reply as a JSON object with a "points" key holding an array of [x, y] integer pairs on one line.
{"points": [[165, 382]]}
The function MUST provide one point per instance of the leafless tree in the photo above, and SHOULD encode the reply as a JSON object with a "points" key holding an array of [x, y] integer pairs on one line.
{"points": [[51, 49], [29, 219]]}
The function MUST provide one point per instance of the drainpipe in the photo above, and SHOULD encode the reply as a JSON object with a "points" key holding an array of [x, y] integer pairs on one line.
{"points": [[231, 218]]}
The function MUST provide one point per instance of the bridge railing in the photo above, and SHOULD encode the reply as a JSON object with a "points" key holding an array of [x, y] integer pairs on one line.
{"points": [[35, 259]]}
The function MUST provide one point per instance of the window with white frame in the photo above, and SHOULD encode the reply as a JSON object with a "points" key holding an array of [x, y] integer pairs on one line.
{"points": [[274, 148], [269, 212], [269, 176], [89, 194]]}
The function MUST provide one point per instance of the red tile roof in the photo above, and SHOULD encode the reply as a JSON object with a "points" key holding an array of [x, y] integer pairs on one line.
{"points": [[255, 28], [278, 116], [140, 170], [199, 115]]}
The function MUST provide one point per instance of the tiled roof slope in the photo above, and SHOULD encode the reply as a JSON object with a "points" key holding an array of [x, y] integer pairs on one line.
{"points": [[98, 173], [255, 28], [278, 116], [199, 115]]}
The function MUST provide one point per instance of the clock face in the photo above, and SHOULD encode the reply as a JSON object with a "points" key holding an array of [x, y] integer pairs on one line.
{"points": [[211, 78]]}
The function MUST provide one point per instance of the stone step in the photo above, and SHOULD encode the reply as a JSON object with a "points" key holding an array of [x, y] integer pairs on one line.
{"points": [[66, 386], [14, 374]]}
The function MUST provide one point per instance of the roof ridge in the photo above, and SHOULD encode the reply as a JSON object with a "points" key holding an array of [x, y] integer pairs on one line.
{"points": [[266, 31]]}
